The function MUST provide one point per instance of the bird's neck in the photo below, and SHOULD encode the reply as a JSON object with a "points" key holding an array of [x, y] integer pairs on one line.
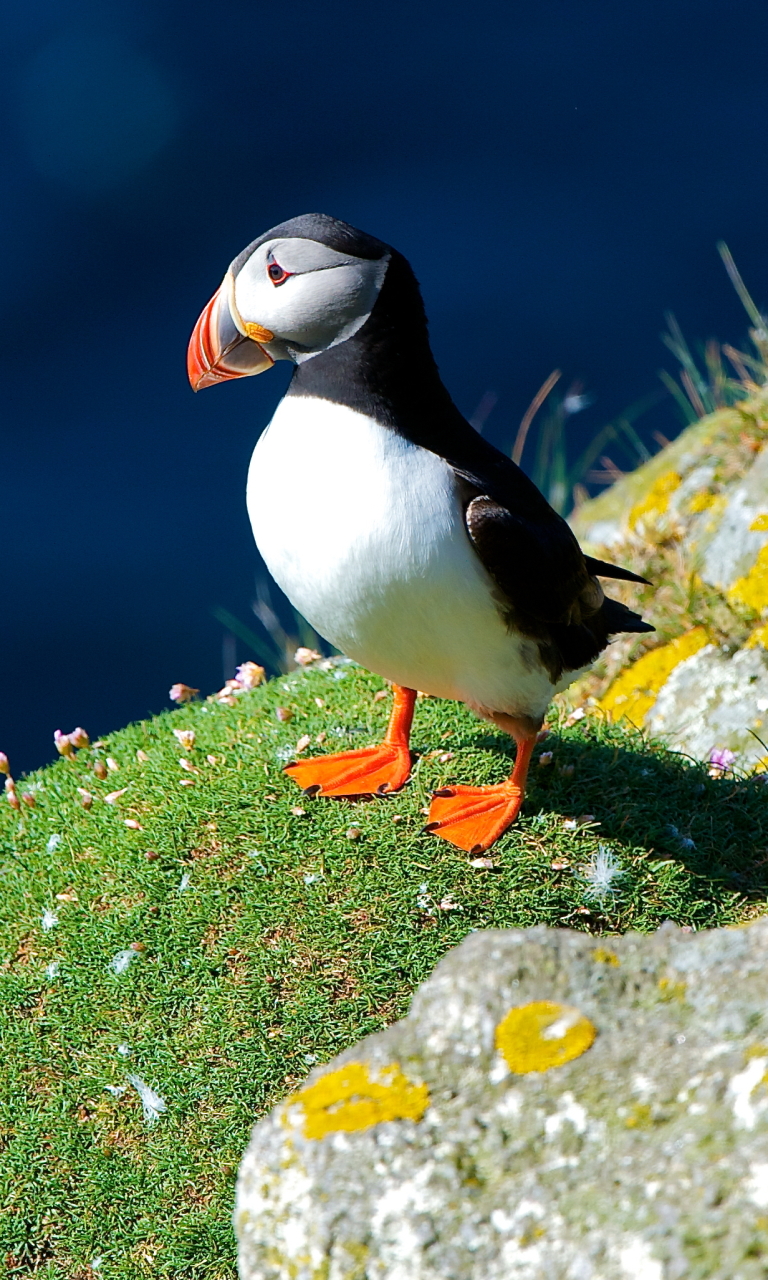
{"points": [[386, 370]]}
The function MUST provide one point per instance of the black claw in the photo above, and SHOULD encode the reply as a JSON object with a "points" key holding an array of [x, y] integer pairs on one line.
{"points": [[312, 790], [429, 827], [443, 792]]}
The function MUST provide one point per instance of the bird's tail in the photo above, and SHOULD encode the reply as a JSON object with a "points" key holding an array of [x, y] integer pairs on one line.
{"points": [[617, 617]]}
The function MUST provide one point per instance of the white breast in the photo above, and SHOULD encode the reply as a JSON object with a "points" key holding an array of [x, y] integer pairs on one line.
{"points": [[365, 534]]}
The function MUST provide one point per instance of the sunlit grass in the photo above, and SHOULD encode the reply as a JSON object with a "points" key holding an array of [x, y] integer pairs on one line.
{"points": [[269, 938]]}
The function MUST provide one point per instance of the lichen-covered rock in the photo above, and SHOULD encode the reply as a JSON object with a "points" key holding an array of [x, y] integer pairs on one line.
{"points": [[553, 1108], [695, 521]]}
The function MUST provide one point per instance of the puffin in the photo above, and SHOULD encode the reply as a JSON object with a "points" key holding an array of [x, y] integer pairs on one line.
{"points": [[404, 537]]}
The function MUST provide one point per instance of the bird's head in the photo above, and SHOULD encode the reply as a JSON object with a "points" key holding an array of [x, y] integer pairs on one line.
{"points": [[305, 286]]}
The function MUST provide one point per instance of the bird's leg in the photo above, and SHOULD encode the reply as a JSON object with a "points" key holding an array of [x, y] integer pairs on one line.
{"points": [[371, 769], [474, 817]]}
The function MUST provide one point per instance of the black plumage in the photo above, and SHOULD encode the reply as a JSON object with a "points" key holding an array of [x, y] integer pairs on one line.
{"points": [[548, 588]]}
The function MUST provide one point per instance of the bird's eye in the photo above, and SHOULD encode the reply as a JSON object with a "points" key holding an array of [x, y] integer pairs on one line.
{"points": [[276, 273]]}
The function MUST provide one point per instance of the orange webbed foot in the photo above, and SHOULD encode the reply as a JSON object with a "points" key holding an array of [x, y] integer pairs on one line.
{"points": [[371, 770], [473, 818]]}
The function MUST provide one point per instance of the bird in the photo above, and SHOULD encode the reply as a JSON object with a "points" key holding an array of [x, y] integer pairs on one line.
{"points": [[405, 538]]}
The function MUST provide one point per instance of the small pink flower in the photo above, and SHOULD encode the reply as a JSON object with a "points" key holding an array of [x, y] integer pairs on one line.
{"points": [[13, 799], [63, 744], [4, 765], [133, 824], [28, 799], [86, 799], [182, 693], [10, 785], [306, 656], [544, 759], [249, 675], [720, 761], [79, 738], [186, 737], [100, 769]]}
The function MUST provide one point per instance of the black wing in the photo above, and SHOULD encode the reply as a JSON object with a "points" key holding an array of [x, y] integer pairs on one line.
{"points": [[549, 587]]}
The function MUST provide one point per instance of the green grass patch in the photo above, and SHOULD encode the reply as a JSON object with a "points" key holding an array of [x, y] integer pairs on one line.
{"points": [[264, 940]]}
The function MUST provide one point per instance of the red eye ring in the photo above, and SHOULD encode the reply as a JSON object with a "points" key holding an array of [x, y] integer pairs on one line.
{"points": [[276, 273]]}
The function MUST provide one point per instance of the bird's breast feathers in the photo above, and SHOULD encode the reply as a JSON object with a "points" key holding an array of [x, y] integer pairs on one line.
{"points": [[365, 534]]}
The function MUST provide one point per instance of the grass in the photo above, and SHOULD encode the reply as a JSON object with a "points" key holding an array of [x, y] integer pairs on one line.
{"points": [[270, 938]]}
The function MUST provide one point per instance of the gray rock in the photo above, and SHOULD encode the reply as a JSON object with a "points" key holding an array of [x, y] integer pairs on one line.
{"points": [[643, 1157], [734, 547], [714, 699]]}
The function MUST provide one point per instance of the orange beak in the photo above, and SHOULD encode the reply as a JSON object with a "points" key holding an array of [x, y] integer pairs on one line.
{"points": [[222, 345]]}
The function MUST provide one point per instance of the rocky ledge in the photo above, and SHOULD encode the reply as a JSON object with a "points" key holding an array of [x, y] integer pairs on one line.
{"points": [[553, 1106]]}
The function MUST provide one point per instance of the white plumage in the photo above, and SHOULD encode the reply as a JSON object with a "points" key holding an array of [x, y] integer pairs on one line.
{"points": [[365, 534]]}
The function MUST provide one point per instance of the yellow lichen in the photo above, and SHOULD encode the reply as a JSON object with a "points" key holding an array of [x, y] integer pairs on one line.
{"points": [[634, 691], [530, 1236], [701, 502], [759, 637], [350, 1099], [756, 1051], [656, 500], [601, 955], [760, 523], [752, 589], [640, 1117], [543, 1034], [672, 990]]}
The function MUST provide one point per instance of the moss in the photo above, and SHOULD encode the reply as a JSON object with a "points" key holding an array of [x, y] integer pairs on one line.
{"points": [[350, 1099], [634, 692], [752, 589], [528, 1038], [656, 501]]}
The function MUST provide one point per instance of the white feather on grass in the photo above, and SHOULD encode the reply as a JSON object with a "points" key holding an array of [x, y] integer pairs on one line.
{"points": [[152, 1104], [601, 875], [120, 962]]}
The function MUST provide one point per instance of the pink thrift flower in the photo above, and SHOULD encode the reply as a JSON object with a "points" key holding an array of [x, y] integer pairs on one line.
{"points": [[63, 744], [305, 656], [720, 761], [79, 738], [249, 675], [182, 693], [4, 765], [186, 737]]}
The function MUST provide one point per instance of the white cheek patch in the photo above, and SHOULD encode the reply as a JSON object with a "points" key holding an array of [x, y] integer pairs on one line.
{"points": [[327, 298]]}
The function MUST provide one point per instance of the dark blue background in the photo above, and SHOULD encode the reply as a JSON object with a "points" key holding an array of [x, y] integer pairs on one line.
{"points": [[558, 174]]}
